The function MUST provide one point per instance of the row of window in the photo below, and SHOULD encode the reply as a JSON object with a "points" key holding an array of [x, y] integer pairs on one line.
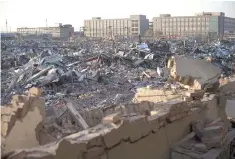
{"points": [[103, 34], [190, 23], [117, 31], [187, 26], [183, 33], [185, 19], [108, 26], [108, 23], [229, 20], [185, 29]]}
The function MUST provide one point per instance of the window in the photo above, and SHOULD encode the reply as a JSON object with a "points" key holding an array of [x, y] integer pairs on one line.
{"points": [[134, 21]]}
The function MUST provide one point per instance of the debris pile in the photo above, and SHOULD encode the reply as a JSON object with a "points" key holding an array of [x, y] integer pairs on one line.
{"points": [[203, 138], [95, 74]]}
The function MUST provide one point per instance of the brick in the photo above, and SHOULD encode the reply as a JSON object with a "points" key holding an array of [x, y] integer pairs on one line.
{"points": [[112, 118], [111, 133], [138, 127], [153, 122], [37, 92]]}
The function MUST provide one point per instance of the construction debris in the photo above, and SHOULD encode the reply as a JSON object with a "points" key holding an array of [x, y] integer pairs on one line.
{"points": [[87, 82]]}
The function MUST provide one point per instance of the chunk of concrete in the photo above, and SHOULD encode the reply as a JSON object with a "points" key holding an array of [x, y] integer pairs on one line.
{"points": [[21, 127], [204, 74], [34, 91], [230, 108]]}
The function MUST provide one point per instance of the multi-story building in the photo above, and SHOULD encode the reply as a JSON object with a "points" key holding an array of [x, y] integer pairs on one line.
{"points": [[135, 25], [202, 24], [229, 25], [60, 31]]}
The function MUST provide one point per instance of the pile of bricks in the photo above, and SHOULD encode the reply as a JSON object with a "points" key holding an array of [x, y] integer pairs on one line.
{"points": [[212, 135]]}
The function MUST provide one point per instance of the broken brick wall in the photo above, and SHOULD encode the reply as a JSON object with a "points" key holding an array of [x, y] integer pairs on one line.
{"points": [[21, 122], [95, 116], [136, 136]]}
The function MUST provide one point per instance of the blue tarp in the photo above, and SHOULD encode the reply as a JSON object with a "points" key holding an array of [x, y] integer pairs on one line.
{"points": [[143, 46]]}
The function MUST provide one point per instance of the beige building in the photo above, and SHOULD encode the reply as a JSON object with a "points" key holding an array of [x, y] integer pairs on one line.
{"points": [[135, 25], [60, 31], [202, 24]]}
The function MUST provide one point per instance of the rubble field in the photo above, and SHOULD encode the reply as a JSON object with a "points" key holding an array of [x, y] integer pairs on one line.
{"points": [[66, 93]]}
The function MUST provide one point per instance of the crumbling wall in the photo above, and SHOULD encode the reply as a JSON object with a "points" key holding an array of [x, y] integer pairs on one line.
{"points": [[227, 98], [22, 121], [134, 136]]}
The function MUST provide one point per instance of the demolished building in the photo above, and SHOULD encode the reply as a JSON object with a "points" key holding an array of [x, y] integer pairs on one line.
{"points": [[103, 103], [176, 123]]}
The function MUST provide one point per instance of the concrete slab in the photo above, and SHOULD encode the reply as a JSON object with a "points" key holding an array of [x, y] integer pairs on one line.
{"points": [[230, 108], [200, 70]]}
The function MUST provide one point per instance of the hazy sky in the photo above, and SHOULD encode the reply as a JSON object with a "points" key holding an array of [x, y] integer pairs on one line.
{"points": [[33, 13]]}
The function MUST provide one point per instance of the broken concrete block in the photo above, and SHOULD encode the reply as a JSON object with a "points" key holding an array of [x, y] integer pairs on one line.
{"points": [[111, 133], [200, 147], [204, 74], [25, 121], [37, 92], [213, 131]]}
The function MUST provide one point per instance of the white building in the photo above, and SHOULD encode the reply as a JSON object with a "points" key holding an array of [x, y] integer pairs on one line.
{"points": [[59, 32], [135, 25]]}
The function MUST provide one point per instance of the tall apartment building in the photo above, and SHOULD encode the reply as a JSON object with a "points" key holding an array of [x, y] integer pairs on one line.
{"points": [[59, 32], [202, 24], [135, 25]]}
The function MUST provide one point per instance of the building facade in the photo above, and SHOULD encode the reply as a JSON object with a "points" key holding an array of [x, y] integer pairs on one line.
{"points": [[58, 32], [135, 25], [202, 24]]}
